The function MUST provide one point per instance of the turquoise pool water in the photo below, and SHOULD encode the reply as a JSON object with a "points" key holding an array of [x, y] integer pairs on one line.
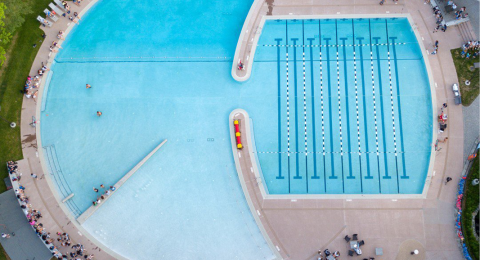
{"points": [[353, 107], [156, 75], [186, 202]]}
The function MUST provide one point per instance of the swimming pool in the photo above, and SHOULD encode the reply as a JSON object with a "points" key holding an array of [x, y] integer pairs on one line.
{"points": [[354, 109], [165, 77], [186, 201]]}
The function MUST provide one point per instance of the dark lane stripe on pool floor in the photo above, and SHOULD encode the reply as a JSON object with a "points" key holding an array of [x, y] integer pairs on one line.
{"points": [[404, 173], [312, 85], [374, 107], [393, 107], [356, 109], [279, 113]]}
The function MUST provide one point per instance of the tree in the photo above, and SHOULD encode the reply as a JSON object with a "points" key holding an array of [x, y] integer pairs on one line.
{"points": [[12, 14], [15, 12]]}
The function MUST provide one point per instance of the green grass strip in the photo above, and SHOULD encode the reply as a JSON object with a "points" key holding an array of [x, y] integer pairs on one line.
{"points": [[464, 72], [11, 84]]}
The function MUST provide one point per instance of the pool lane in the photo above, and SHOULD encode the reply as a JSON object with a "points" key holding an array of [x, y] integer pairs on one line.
{"points": [[368, 105]]}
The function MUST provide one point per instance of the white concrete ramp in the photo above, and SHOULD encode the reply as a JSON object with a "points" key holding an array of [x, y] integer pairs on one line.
{"points": [[89, 212]]}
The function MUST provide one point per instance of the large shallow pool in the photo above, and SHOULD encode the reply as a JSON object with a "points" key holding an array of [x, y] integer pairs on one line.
{"points": [[186, 201], [156, 75]]}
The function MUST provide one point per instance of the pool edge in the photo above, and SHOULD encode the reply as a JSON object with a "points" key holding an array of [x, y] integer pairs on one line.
{"points": [[52, 186]]}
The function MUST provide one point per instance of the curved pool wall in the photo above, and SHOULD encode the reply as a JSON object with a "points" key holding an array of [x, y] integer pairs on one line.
{"points": [[335, 131], [154, 77]]}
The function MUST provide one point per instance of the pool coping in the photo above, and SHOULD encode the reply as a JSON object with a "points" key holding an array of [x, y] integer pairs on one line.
{"points": [[248, 71], [40, 153]]}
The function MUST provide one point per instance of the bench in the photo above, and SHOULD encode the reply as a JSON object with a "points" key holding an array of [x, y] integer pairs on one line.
{"points": [[50, 15], [56, 9], [43, 21], [59, 3]]}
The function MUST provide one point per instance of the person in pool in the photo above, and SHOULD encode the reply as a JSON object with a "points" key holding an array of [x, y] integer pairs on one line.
{"points": [[99, 113]]}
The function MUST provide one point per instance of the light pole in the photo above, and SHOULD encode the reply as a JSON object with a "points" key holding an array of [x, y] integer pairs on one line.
{"points": [[12, 124]]}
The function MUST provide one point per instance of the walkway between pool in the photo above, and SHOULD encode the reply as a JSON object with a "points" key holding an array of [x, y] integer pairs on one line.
{"points": [[89, 212], [245, 162]]}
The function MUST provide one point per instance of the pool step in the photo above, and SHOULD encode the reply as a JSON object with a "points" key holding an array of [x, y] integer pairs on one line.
{"points": [[466, 31]]}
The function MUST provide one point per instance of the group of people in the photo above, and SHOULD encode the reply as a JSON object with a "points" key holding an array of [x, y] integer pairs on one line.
{"points": [[66, 6], [54, 46], [461, 13], [12, 167], [31, 84], [34, 216], [103, 194], [76, 254], [64, 239], [74, 18], [439, 17], [470, 49], [327, 253], [13, 171]]}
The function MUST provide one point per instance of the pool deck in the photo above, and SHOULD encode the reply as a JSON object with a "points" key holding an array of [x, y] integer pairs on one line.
{"points": [[300, 227]]}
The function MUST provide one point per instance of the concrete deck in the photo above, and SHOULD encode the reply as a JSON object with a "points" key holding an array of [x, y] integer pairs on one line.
{"points": [[92, 209], [298, 227]]}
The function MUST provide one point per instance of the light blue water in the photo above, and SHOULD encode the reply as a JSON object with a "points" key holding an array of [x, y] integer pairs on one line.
{"points": [[186, 201], [156, 75]]}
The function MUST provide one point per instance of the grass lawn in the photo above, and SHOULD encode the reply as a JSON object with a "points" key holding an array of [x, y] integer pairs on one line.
{"points": [[12, 80], [20, 56], [470, 204], [462, 65]]}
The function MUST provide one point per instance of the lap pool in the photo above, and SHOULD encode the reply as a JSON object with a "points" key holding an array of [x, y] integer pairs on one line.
{"points": [[156, 75], [353, 109]]}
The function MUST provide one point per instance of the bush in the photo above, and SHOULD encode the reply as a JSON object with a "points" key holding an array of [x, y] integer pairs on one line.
{"points": [[470, 204]]}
